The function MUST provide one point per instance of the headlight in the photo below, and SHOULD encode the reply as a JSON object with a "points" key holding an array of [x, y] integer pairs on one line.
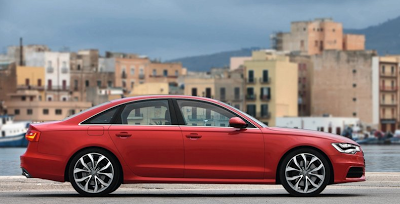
{"points": [[346, 148]]}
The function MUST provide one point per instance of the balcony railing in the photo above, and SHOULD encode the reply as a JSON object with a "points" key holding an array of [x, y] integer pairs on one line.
{"points": [[238, 98], [388, 74], [265, 97], [265, 80], [141, 76], [50, 70], [163, 76], [30, 87], [57, 88], [388, 88], [388, 103], [251, 97], [251, 80], [64, 70], [265, 115]]}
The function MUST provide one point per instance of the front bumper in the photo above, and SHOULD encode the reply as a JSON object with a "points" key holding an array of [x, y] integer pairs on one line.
{"points": [[344, 166]]}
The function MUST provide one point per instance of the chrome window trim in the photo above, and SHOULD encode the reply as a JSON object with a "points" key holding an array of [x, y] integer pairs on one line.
{"points": [[212, 102]]}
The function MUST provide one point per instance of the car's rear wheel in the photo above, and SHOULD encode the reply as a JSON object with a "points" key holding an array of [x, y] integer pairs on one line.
{"points": [[304, 172], [94, 172]]}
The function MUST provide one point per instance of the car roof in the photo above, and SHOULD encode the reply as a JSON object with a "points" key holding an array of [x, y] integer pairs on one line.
{"points": [[127, 99]]}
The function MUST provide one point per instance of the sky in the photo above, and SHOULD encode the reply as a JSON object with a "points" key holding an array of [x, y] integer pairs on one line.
{"points": [[168, 29]]}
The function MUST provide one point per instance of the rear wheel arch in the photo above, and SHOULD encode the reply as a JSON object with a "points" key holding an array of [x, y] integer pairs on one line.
{"points": [[331, 177], [66, 174]]}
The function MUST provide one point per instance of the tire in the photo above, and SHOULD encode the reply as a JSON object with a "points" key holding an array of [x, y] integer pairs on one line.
{"points": [[301, 178], [94, 172]]}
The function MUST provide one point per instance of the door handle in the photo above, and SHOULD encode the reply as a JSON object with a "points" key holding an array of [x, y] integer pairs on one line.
{"points": [[123, 134], [193, 136]]}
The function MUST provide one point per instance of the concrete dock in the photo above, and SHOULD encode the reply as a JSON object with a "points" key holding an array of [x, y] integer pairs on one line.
{"points": [[380, 187]]}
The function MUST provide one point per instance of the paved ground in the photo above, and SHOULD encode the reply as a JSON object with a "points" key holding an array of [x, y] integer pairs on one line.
{"points": [[380, 188]]}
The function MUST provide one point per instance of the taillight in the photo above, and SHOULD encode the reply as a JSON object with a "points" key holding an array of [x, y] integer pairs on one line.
{"points": [[32, 135]]}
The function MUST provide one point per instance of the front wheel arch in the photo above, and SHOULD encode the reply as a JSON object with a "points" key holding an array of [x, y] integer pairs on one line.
{"points": [[66, 174], [331, 177]]}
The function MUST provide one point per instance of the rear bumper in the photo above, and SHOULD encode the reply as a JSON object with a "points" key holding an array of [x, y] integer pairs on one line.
{"points": [[342, 164], [45, 166]]}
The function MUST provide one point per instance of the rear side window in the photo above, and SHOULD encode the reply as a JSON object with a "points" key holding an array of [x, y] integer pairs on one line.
{"points": [[105, 117]]}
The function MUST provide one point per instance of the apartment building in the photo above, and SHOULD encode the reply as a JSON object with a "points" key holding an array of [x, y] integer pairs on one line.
{"points": [[387, 68], [130, 71], [344, 84], [220, 83], [271, 83], [312, 37], [164, 72]]}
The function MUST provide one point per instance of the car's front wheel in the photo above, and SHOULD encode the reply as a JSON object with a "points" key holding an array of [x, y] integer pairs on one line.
{"points": [[304, 172], [94, 172]]}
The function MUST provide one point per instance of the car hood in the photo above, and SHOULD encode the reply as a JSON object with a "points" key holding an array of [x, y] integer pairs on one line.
{"points": [[313, 133]]}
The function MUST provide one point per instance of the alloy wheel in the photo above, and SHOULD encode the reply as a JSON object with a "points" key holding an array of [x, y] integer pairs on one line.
{"points": [[93, 173], [305, 173]]}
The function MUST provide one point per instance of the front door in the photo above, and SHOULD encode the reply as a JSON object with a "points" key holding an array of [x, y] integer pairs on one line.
{"points": [[148, 141], [215, 150]]}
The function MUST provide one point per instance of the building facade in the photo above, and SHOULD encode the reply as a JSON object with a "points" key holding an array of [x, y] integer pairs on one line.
{"points": [[344, 84], [271, 86], [312, 37]]}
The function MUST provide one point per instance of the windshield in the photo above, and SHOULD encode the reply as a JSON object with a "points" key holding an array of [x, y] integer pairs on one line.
{"points": [[84, 111], [249, 116]]}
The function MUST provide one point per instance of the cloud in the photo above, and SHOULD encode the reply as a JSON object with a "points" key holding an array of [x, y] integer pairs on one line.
{"points": [[173, 28]]}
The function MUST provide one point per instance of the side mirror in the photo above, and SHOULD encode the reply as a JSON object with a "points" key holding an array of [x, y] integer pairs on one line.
{"points": [[237, 122]]}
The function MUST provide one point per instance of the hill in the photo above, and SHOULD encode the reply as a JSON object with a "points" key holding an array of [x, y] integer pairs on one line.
{"points": [[205, 62], [385, 37]]}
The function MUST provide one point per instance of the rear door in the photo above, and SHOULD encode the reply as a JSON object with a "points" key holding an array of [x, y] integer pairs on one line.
{"points": [[149, 139]]}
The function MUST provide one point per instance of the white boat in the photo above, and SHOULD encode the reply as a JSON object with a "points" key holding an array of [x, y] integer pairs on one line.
{"points": [[12, 134]]}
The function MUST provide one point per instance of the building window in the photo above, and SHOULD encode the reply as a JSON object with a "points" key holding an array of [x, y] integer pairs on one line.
{"points": [[58, 111], [383, 69], [16, 111], [64, 85], [251, 76], [208, 92], [354, 85], [237, 93], [133, 70], [132, 84], [29, 111], [87, 83], [39, 82], [154, 72], [250, 93], [265, 76], [265, 93], [354, 99], [72, 112], [251, 110], [194, 91], [49, 84], [124, 83], [110, 84], [45, 111], [302, 44], [392, 69], [316, 43], [264, 110], [176, 73], [354, 114], [165, 72], [98, 83], [27, 82], [23, 98], [222, 93], [76, 85], [79, 67], [354, 71]]}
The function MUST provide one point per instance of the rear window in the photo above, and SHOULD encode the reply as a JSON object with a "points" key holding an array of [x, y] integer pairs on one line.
{"points": [[105, 117]]}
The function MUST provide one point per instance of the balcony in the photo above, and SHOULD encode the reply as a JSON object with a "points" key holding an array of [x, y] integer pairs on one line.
{"points": [[251, 97], [265, 97], [388, 103], [265, 115], [238, 98], [123, 75], [388, 88], [265, 81], [388, 75], [250, 80], [64, 70], [50, 70], [57, 88], [30, 87], [141, 76], [163, 76]]}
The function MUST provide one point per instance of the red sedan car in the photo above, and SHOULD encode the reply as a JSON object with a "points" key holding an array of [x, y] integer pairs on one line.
{"points": [[184, 139]]}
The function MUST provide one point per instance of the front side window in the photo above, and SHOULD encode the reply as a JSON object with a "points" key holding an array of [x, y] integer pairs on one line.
{"points": [[154, 112], [196, 113]]}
